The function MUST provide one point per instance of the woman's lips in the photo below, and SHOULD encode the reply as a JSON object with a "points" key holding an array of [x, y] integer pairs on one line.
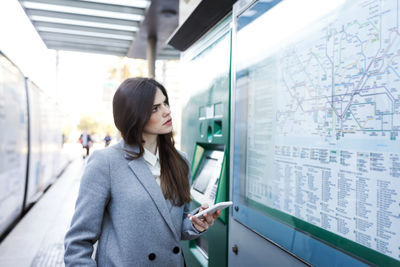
{"points": [[168, 122]]}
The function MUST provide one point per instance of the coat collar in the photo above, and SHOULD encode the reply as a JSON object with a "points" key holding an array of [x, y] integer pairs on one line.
{"points": [[143, 174], [127, 148]]}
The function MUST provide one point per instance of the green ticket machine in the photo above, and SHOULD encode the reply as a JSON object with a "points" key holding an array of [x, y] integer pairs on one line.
{"points": [[205, 137]]}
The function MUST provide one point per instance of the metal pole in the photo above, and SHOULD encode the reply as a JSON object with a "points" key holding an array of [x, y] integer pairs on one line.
{"points": [[56, 89], [151, 56]]}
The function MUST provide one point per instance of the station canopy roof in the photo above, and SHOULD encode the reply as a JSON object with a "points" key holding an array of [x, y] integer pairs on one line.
{"points": [[114, 27]]}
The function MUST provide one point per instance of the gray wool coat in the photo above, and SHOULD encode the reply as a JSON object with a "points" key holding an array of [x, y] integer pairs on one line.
{"points": [[121, 206]]}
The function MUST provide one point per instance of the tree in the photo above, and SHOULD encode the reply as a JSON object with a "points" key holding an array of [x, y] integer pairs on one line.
{"points": [[89, 123]]}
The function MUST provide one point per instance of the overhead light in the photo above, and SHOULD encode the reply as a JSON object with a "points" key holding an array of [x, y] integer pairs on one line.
{"points": [[85, 23], [132, 3], [86, 33], [82, 11]]}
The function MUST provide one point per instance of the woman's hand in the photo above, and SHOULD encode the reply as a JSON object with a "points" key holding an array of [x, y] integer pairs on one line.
{"points": [[203, 224]]}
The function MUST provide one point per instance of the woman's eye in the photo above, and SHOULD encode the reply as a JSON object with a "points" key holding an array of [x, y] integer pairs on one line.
{"points": [[154, 109]]}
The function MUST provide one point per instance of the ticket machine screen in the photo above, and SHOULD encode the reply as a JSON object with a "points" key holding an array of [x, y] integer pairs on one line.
{"points": [[205, 184]]}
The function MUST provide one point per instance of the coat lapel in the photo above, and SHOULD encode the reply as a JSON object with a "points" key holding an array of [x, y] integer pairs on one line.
{"points": [[142, 172]]}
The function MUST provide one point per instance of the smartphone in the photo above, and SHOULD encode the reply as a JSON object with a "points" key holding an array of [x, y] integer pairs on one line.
{"points": [[213, 208]]}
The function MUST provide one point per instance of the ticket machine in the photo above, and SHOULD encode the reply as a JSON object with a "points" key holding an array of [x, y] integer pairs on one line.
{"points": [[205, 137]]}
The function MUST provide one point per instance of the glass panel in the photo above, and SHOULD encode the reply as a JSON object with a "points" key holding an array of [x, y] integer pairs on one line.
{"points": [[317, 124]]}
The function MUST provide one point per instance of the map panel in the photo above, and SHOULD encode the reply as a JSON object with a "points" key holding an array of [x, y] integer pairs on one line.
{"points": [[324, 120]]}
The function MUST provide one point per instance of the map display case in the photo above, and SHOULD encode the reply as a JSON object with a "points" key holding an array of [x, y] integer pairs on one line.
{"points": [[316, 126]]}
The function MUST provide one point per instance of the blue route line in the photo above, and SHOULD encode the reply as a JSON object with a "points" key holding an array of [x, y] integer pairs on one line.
{"points": [[395, 72]]}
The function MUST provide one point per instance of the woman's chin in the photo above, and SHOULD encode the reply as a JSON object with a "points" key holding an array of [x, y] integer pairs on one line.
{"points": [[169, 129], [166, 131]]}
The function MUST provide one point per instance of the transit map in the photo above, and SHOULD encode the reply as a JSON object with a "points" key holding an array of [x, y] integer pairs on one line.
{"points": [[326, 105]]}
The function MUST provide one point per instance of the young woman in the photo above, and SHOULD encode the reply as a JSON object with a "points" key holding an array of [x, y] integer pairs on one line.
{"points": [[134, 196]]}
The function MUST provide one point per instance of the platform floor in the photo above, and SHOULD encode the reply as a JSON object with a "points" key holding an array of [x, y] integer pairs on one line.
{"points": [[37, 240]]}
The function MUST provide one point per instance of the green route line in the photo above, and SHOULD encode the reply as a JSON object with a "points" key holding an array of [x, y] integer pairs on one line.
{"points": [[361, 127], [355, 118], [356, 104], [362, 25]]}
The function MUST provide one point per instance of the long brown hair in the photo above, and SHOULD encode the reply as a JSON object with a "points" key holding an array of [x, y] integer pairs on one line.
{"points": [[132, 106]]}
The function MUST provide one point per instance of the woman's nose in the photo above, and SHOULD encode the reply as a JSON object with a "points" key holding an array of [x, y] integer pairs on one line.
{"points": [[166, 110]]}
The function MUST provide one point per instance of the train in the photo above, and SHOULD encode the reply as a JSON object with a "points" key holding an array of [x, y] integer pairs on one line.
{"points": [[31, 142]]}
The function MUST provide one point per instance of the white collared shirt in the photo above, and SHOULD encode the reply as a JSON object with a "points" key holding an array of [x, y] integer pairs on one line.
{"points": [[153, 161]]}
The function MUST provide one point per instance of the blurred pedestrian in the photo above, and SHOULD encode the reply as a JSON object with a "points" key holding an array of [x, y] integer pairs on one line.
{"points": [[86, 141], [107, 140]]}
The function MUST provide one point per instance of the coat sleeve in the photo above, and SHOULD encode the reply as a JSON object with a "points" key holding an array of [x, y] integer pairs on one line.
{"points": [[188, 230], [86, 223]]}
